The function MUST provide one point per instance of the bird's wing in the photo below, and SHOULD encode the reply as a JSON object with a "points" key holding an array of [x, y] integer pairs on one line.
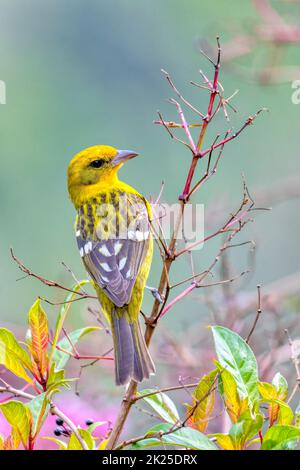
{"points": [[113, 256]]}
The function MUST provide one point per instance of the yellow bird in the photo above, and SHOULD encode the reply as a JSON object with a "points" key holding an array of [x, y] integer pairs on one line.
{"points": [[115, 243]]}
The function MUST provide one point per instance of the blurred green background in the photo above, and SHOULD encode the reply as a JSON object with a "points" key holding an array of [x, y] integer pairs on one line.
{"points": [[79, 73]]}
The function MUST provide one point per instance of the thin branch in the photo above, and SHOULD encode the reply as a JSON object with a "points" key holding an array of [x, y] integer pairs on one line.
{"points": [[16, 392], [47, 282], [187, 103], [83, 357], [258, 314], [173, 136], [208, 174], [197, 285], [190, 278], [179, 297], [165, 389], [185, 125], [73, 277], [158, 198], [66, 302], [247, 123], [176, 125], [85, 366], [236, 218]]}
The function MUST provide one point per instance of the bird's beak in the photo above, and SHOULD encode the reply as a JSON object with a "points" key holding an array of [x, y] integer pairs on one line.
{"points": [[122, 157]]}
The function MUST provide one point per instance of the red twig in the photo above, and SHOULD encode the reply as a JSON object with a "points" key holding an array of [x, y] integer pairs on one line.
{"points": [[179, 297], [79, 356], [258, 314], [48, 282], [232, 136]]}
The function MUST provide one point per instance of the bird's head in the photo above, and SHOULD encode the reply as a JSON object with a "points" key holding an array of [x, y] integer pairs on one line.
{"points": [[94, 167]]}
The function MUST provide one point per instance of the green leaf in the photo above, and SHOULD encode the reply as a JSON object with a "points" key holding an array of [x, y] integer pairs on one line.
{"points": [[14, 439], [224, 441], [145, 443], [61, 358], [267, 390], [63, 313], [280, 411], [200, 418], [240, 432], [281, 385], [236, 356], [55, 375], [281, 438], [286, 415], [103, 444], [162, 405], [56, 380], [244, 429], [74, 443], [235, 405], [39, 408], [13, 356], [61, 444], [18, 416], [297, 416], [91, 428], [188, 437], [183, 437], [38, 324]]}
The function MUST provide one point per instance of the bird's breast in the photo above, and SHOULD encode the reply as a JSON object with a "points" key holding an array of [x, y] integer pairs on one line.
{"points": [[113, 214]]}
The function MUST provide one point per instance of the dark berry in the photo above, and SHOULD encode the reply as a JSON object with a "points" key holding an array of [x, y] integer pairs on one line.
{"points": [[59, 422], [89, 422], [57, 432]]}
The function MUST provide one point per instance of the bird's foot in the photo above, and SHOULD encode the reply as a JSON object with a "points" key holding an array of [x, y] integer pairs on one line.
{"points": [[155, 294]]}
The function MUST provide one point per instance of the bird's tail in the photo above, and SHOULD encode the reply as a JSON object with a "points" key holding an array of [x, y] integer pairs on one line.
{"points": [[132, 358]]}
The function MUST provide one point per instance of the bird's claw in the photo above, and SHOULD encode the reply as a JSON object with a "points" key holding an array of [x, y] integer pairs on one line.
{"points": [[155, 294]]}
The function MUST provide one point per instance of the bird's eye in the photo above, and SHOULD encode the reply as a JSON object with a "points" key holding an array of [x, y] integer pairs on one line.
{"points": [[97, 163]]}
